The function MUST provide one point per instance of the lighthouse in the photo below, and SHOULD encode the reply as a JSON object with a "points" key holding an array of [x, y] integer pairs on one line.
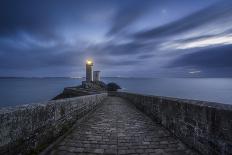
{"points": [[96, 76], [89, 71]]}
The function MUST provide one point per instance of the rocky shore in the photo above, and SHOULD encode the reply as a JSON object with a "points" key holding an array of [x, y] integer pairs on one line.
{"points": [[87, 88]]}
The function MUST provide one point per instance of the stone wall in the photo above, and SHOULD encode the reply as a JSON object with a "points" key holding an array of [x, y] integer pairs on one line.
{"points": [[204, 126], [29, 128]]}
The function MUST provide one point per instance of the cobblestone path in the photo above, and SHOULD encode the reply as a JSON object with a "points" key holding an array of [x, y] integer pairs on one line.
{"points": [[117, 127]]}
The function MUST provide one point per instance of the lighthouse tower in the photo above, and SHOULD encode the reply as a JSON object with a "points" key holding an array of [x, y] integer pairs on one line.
{"points": [[89, 71], [96, 76]]}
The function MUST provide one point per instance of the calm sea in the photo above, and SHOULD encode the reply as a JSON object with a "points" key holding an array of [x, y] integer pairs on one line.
{"points": [[17, 91]]}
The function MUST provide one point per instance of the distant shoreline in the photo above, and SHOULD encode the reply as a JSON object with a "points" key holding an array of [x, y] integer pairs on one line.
{"points": [[11, 77]]}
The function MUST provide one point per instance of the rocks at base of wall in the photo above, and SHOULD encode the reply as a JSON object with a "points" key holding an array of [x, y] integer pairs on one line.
{"points": [[96, 85], [204, 126], [29, 128], [113, 86], [86, 88]]}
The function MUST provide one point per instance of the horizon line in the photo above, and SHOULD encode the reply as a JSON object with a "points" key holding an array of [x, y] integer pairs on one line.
{"points": [[70, 77]]}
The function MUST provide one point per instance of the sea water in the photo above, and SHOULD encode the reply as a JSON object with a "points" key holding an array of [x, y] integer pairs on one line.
{"points": [[18, 91]]}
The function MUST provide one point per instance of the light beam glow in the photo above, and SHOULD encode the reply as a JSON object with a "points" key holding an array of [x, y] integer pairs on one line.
{"points": [[89, 62]]}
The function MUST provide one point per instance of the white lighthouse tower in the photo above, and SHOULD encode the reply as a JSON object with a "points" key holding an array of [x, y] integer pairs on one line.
{"points": [[89, 71]]}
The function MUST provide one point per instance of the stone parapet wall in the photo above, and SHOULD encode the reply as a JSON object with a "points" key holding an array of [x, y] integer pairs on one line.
{"points": [[28, 128], [204, 126]]}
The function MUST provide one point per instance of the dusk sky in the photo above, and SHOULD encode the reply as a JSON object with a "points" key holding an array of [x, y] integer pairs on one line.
{"points": [[128, 38]]}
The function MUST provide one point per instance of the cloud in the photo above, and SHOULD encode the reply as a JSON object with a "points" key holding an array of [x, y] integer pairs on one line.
{"points": [[214, 14], [201, 42], [129, 48], [217, 57], [145, 56], [194, 72], [41, 58], [198, 42], [60, 34], [17, 17], [126, 15], [50, 19]]}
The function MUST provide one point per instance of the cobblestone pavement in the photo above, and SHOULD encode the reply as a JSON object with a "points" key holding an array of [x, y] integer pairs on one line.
{"points": [[117, 127]]}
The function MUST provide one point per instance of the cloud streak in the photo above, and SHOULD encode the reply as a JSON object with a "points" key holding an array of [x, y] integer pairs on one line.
{"points": [[216, 13], [128, 14], [206, 58]]}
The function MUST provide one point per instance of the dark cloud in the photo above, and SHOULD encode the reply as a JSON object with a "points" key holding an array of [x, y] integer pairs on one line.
{"points": [[202, 37], [130, 48], [41, 58], [211, 14], [127, 14], [217, 57], [145, 56], [45, 19], [115, 62], [25, 15]]}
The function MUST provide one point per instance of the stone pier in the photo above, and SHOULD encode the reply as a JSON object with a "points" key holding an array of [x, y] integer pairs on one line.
{"points": [[117, 123], [117, 127]]}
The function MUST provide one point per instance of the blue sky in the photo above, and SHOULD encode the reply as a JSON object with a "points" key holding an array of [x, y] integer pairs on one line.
{"points": [[135, 38]]}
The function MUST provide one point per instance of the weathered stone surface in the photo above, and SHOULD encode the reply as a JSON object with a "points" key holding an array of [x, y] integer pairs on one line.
{"points": [[31, 127], [205, 126], [117, 127]]}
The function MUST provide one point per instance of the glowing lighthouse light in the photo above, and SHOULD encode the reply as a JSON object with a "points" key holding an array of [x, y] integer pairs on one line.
{"points": [[89, 62], [89, 71]]}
